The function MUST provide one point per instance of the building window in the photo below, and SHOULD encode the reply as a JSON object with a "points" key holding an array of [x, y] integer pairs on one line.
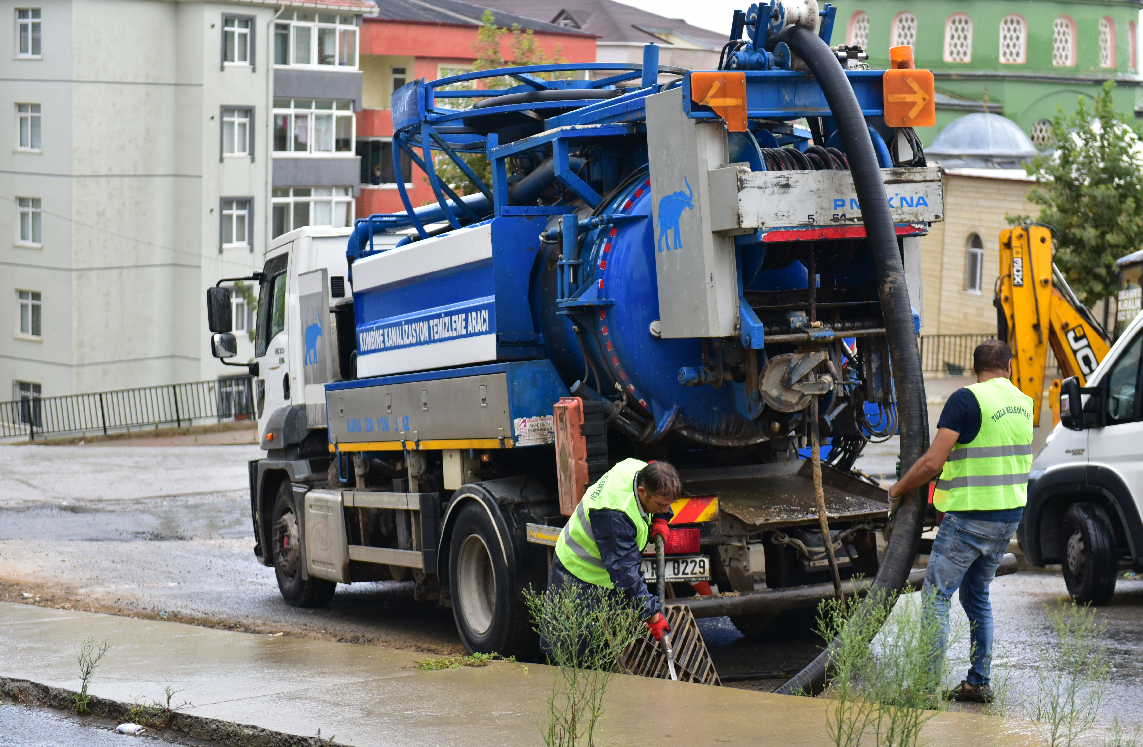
{"points": [[1063, 42], [236, 223], [28, 116], [1106, 42], [1132, 41], [311, 206], [309, 126], [1041, 133], [29, 316], [958, 38], [377, 163], [237, 35], [241, 313], [974, 264], [305, 38], [858, 34], [398, 76], [1013, 40], [237, 134], [29, 220], [905, 30], [29, 394], [28, 32]]}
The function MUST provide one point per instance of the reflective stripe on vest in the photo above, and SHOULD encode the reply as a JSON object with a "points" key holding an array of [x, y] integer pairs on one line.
{"points": [[991, 472], [576, 547]]}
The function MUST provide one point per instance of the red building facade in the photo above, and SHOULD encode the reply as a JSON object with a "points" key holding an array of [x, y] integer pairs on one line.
{"points": [[398, 46]]}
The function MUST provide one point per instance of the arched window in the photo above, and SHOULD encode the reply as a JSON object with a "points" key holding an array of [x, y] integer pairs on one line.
{"points": [[904, 30], [958, 38], [1132, 61], [858, 35], [974, 263], [1106, 42], [1063, 42], [1013, 40], [1041, 133]]}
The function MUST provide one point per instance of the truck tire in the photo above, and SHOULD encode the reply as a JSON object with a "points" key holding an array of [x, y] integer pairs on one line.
{"points": [[1090, 560], [490, 614], [287, 556], [754, 627]]}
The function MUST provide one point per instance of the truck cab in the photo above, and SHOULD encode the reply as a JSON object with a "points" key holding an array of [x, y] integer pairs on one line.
{"points": [[1085, 490]]}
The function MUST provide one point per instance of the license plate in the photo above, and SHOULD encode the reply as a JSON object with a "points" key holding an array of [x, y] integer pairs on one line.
{"points": [[687, 568]]}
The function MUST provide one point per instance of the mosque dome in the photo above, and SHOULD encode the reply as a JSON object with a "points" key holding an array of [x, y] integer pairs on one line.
{"points": [[982, 140]]}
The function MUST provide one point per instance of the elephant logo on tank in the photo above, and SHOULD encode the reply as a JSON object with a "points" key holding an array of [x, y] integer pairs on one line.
{"points": [[671, 209], [313, 334]]}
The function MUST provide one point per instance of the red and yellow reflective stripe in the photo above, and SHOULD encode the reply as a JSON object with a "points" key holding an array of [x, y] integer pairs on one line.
{"points": [[695, 510]]}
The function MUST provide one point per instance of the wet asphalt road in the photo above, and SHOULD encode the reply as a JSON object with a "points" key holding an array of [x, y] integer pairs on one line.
{"points": [[165, 533], [22, 726]]}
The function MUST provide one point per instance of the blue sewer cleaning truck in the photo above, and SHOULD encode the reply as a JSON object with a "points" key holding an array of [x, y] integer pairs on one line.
{"points": [[663, 263]]}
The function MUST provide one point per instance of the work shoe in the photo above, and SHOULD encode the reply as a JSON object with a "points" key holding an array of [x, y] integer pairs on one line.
{"points": [[966, 693]]}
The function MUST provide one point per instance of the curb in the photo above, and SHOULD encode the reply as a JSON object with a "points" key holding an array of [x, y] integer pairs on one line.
{"points": [[184, 724]]}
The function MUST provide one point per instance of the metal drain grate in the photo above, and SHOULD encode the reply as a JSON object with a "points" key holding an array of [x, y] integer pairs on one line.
{"points": [[646, 657]]}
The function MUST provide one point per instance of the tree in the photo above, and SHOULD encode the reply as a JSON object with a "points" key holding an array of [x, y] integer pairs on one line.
{"points": [[488, 45], [1091, 191]]}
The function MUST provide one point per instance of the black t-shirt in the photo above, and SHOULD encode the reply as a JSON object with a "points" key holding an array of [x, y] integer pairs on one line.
{"points": [[961, 414]]}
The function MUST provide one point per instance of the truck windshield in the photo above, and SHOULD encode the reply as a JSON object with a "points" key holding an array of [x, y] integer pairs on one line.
{"points": [[271, 307]]}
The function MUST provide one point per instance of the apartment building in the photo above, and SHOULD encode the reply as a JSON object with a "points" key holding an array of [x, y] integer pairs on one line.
{"points": [[155, 148]]}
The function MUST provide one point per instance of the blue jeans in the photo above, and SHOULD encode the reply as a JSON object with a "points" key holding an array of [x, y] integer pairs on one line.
{"points": [[965, 555]]}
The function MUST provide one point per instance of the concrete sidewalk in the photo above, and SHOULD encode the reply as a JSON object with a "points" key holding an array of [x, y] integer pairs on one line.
{"points": [[372, 696]]}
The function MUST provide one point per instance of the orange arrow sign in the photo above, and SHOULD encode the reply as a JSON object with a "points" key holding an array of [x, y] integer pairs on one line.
{"points": [[919, 97], [910, 98]]}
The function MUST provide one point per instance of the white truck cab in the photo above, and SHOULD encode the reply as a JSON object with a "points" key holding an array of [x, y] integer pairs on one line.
{"points": [[1085, 491]]}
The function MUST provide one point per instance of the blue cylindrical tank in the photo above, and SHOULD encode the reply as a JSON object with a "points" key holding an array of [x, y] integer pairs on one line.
{"points": [[622, 350]]}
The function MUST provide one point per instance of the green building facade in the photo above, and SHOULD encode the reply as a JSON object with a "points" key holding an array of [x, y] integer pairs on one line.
{"points": [[1019, 58]]}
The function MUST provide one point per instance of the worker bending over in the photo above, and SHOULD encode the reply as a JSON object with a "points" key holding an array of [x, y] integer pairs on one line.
{"points": [[983, 453], [602, 543]]}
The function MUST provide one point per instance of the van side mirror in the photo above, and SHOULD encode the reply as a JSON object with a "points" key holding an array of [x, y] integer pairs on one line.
{"points": [[218, 311], [223, 345], [1071, 405]]}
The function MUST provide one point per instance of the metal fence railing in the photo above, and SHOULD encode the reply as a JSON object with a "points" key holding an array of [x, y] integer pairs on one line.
{"points": [[193, 403], [952, 354]]}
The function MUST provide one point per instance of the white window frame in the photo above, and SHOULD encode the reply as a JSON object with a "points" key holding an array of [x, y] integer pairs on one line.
{"points": [[239, 313], [29, 212], [969, 252], [948, 54], [33, 24], [232, 210], [897, 41], [287, 197], [338, 111], [314, 24], [33, 302], [1108, 49], [34, 128], [247, 35], [851, 35], [393, 76], [1071, 30], [1022, 54], [237, 115]]}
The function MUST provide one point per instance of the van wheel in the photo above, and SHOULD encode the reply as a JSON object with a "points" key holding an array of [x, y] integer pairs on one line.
{"points": [[287, 554], [490, 614], [1091, 562]]}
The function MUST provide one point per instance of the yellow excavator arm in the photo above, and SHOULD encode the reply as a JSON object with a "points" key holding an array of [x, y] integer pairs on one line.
{"points": [[1036, 310]]}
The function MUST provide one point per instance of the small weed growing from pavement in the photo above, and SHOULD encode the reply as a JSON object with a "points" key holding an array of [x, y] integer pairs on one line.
{"points": [[453, 662], [1120, 737], [586, 631], [157, 714], [323, 741], [887, 668], [89, 655], [1071, 680]]}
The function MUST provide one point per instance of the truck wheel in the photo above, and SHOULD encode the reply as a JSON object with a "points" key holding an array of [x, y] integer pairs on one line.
{"points": [[296, 590], [1091, 562], [754, 626], [490, 614]]}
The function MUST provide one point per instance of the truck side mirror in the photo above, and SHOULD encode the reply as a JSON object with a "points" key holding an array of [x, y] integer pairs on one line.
{"points": [[223, 345], [218, 311], [1071, 406]]}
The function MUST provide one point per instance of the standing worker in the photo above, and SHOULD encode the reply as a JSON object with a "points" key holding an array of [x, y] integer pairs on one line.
{"points": [[602, 543], [983, 453]]}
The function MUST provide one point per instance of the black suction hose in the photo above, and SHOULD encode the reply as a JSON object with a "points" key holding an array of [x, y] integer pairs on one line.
{"points": [[908, 522]]}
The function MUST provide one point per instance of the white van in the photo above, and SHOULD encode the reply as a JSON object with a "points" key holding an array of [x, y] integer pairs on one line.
{"points": [[1085, 491]]}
